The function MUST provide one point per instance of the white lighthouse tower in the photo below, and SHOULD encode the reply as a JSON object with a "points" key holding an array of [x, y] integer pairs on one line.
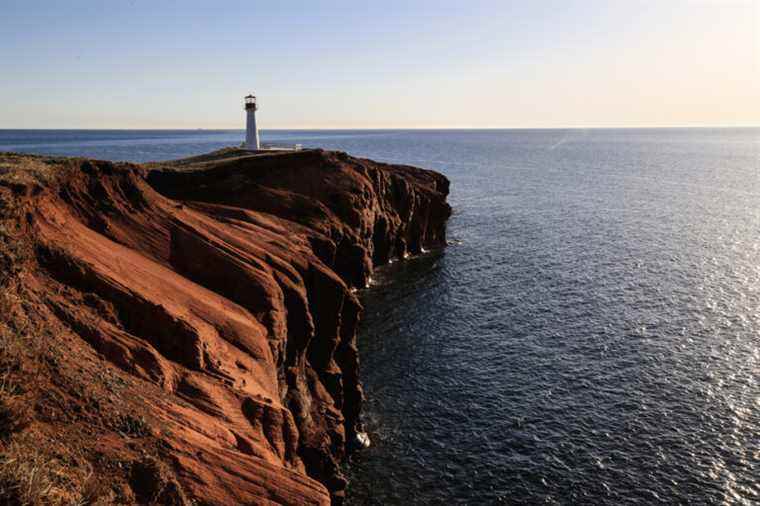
{"points": [[251, 132]]}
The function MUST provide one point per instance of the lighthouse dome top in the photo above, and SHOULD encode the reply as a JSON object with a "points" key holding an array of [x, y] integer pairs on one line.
{"points": [[250, 102]]}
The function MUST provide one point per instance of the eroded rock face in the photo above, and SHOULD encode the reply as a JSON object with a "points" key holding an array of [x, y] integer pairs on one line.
{"points": [[220, 289]]}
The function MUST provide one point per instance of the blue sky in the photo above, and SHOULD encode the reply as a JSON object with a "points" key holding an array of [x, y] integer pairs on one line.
{"points": [[330, 64]]}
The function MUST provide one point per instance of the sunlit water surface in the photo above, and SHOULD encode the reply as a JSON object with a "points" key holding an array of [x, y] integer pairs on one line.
{"points": [[591, 335]]}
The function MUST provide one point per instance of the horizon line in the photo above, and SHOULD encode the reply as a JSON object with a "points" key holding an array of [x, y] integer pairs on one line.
{"points": [[313, 129]]}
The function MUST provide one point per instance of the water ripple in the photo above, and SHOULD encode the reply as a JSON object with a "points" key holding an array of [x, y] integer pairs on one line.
{"points": [[592, 337]]}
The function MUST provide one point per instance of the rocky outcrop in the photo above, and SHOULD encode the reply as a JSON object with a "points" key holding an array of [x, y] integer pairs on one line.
{"points": [[213, 297]]}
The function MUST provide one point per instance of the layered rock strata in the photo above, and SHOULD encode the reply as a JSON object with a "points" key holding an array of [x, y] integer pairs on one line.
{"points": [[200, 315]]}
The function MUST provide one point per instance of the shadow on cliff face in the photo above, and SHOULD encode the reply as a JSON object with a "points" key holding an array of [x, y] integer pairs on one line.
{"points": [[189, 328]]}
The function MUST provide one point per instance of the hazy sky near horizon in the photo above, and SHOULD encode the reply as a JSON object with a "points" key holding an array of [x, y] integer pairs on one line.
{"points": [[391, 64]]}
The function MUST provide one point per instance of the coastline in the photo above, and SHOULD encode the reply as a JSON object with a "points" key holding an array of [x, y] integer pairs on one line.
{"points": [[249, 261]]}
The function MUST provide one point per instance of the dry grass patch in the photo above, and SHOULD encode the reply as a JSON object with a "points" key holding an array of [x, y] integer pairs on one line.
{"points": [[26, 479], [29, 478], [16, 373], [15, 410], [29, 474], [24, 170], [19, 362]]}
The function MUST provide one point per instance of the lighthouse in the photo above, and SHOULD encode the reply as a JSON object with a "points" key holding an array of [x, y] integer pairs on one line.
{"points": [[251, 132]]}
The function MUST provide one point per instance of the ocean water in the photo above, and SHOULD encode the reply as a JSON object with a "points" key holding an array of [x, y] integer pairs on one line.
{"points": [[590, 336]]}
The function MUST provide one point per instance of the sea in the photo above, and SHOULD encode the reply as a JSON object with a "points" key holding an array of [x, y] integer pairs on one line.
{"points": [[591, 335]]}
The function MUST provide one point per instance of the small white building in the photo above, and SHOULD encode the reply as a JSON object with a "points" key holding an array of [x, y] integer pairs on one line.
{"points": [[251, 131]]}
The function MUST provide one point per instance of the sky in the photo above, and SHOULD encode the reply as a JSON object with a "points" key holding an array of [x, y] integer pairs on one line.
{"points": [[391, 64]]}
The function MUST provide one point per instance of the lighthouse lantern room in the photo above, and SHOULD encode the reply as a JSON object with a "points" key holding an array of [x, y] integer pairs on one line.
{"points": [[251, 132]]}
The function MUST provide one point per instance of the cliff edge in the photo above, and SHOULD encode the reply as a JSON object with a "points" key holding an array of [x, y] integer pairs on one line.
{"points": [[184, 332]]}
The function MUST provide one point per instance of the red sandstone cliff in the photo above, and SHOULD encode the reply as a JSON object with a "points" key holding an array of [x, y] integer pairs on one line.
{"points": [[184, 332]]}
